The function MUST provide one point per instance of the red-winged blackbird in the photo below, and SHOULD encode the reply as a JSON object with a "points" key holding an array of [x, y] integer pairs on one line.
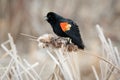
{"points": [[65, 28]]}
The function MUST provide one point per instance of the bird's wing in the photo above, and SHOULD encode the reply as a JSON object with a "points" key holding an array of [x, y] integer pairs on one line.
{"points": [[72, 30]]}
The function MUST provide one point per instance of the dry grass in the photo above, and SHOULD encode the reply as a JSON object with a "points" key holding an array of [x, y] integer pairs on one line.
{"points": [[64, 61]]}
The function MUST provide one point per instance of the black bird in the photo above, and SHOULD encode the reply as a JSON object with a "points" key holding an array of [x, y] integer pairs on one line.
{"points": [[65, 28]]}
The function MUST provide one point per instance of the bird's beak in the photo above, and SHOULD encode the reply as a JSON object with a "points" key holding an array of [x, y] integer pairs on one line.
{"points": [[45, 18]]}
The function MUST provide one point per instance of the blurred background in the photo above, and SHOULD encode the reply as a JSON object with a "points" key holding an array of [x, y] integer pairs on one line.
{"points": [[28, 16]]}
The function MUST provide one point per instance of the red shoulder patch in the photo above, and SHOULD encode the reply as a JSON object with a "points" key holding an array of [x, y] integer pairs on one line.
{"points": [[65, 26]]}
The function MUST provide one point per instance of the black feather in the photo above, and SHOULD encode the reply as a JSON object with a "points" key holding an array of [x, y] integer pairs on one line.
{"points": [[74, 33]]}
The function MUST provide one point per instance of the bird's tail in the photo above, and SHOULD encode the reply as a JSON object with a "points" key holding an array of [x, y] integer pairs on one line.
{"points": [[79, 43]]}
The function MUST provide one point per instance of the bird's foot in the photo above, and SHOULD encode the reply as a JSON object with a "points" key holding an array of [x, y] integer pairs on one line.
{"points": [[68, 41]]}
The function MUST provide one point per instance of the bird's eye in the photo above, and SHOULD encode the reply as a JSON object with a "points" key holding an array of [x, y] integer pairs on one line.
{"points": [[49, 15]]}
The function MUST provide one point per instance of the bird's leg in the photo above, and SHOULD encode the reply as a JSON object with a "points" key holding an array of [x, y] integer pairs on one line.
{"points": [[69, 41]]}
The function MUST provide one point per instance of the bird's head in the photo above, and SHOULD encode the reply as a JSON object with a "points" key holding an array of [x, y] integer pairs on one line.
{"points": [[52, 17]]}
